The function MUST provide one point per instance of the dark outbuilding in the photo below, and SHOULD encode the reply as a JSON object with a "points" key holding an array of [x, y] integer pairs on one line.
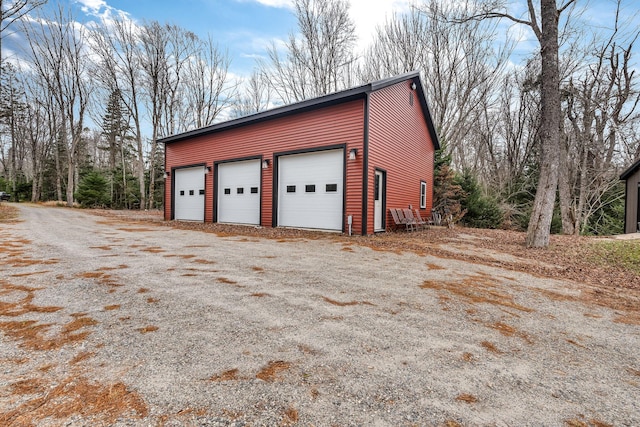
{"points": [[632, 198]]}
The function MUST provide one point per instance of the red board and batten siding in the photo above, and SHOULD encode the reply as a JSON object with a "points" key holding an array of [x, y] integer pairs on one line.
{"points": [[338, 124], [400, 144]]}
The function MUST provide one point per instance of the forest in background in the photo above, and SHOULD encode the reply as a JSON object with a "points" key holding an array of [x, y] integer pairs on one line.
{"points": [[82, 110]]}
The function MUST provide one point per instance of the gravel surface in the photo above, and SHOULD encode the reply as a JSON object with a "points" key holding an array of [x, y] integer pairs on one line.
{"points": [[109, 322]]}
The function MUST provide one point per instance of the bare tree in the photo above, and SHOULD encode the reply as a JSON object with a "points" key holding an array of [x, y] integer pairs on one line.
{"points": [[35, 131], [600, 106], [154, 41], [256, 96], [206, 86], [318, 59], [117, 44], [58, 54], [460, 64], [544, 23], [10, 12], [180, 48], [399, 46]]}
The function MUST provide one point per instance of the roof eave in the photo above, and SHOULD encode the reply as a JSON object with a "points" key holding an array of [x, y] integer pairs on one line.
{"points": [[631, 170], [315, 103], [310, 104]]}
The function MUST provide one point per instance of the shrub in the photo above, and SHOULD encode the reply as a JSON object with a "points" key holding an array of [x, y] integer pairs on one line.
{"points": [[482, 211], [447, 193], [93, 191]]}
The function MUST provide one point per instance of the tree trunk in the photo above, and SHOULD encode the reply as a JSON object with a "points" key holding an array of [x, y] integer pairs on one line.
{"points": [[37, 172], [564, 193], [152, 173], [540, 221], [140, 161], [70, 180], [14, 148]]}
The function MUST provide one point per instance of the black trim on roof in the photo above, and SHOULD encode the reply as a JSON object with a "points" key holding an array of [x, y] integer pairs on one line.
{"points": [[632, 169], [315, 103]]}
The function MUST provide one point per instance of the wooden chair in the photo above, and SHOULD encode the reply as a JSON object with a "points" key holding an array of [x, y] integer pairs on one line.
{"points": [[399, 219], [421, 222], [436, 217], [410, 219]]}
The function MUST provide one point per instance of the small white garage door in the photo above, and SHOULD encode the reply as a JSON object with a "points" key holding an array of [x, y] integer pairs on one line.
{"points": [[239, 192], [310, 190], [189, 194]]}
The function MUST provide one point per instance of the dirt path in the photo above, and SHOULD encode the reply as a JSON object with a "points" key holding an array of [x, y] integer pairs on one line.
{"points": [[109, 322]]}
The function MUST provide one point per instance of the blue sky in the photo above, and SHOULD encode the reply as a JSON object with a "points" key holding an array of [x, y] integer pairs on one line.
{"points": [[247, 27], [244, 27]]}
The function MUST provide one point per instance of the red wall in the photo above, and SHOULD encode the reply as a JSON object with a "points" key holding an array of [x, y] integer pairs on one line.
{"points": [[399, 142], [340, 124]]}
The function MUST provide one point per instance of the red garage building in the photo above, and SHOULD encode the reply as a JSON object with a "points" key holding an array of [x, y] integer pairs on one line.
{"points": [[324, 163]]}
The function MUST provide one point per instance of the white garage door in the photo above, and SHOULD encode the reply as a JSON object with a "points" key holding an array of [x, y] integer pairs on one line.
{"points": [[189, 194], [239, 192], [310, 190]]}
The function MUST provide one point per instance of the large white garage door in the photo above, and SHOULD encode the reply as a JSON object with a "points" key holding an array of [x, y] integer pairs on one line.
{"points": [[310, 190], [189, 194], [239, 192]]}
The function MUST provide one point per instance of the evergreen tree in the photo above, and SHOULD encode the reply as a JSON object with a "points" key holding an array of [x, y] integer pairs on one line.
{"points": [[93, 190], [447, 194], [114, 128], [12, 109], [481, 211]]}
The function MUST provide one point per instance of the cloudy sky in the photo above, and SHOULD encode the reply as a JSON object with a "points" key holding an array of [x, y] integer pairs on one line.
{"points": [[245, 27]]}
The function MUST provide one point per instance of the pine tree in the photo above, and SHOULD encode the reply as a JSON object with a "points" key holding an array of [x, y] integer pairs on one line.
{"points": [[92, 191], [447, 194], [114, 128]]}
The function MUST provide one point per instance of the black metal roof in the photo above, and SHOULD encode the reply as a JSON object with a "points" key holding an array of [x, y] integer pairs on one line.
{"points": [[632, 169], [316, 103]]}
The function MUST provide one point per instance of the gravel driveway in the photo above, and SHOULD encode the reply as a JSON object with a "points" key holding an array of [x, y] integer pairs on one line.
{"points": [[107, 322]]}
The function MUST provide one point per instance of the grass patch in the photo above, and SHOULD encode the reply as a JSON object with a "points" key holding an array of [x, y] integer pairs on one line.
{"points": [[620, 254]]}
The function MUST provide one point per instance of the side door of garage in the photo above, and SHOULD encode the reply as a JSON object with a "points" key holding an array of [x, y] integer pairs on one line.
{"points": [[311, 190], [189, 193], [238, 192]]}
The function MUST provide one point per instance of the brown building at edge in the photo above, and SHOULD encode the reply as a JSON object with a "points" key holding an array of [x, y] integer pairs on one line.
{"points": [[632, 198], [336, 162]]}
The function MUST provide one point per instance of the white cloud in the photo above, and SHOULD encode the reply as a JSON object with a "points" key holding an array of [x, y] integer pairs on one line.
{"points": [[92, 6], [101, 10], [276, 3], [367, 14]]}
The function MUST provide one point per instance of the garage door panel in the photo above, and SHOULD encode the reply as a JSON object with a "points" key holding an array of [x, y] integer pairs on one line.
{"points": [[239, 192], [310, 190], [189, 194]]}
